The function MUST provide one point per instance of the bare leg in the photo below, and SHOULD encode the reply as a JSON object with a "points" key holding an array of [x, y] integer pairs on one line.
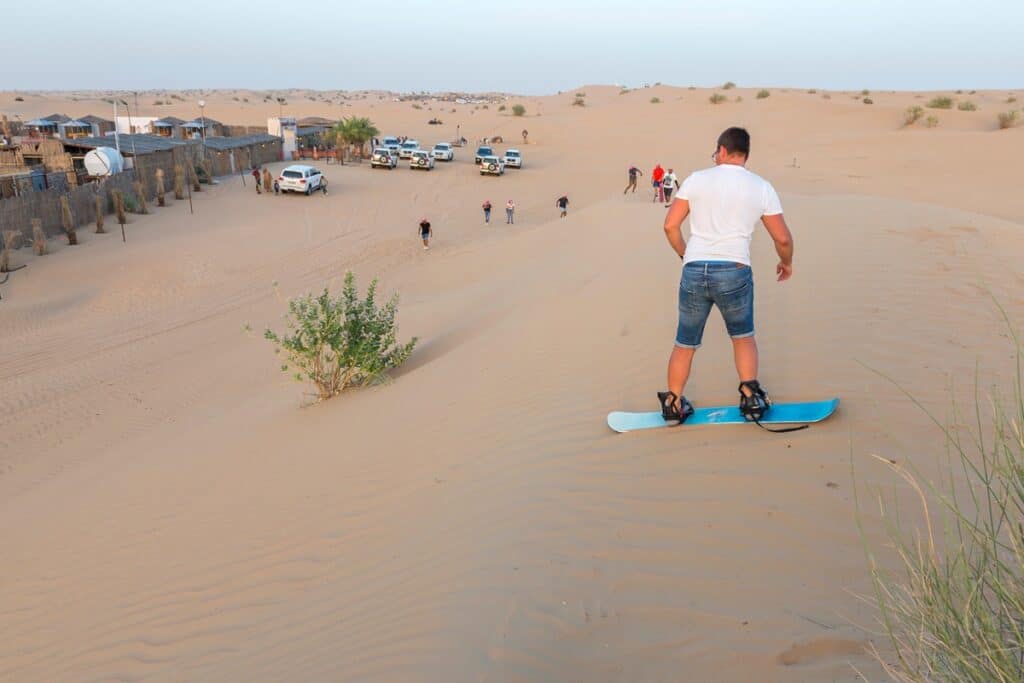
{"points": [[679, 369], [744, 352]]}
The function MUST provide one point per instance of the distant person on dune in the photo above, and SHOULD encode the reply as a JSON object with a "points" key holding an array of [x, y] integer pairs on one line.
{"points": [[426, 232], [723, 203], [633, 173], [657, 175], [510, 212], [487, 210], [669, 184], [563, 205], [256, 178]]}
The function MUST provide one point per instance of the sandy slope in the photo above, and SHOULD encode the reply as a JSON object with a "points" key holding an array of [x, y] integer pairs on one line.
{"points": [[168, 512]]}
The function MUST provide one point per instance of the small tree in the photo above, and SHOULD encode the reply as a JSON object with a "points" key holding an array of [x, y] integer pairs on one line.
{"points": [[339, 342], [518, 110], [912, 115], [67, 220], [761, 94], [38, 237]]}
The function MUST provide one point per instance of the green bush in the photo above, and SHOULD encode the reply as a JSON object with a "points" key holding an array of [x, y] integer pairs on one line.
{"points": [[655, 100], [728, 85], [868, 100], [931, 121], [954, 608], [912, 115], [518, 110], [865, 93], [579, 101], [340, 342], [1011, 99], [716, 98], [1008, 119], [500, 108], [941, 103], [967, 106], [761, 94]]}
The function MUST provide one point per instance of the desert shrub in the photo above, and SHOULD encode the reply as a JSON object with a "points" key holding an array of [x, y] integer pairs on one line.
{"points": [[868, 100], [1008, 119], [912, 115], [500, 108], [865, 93], [118, 198], [959, 92], [954, 607], [160, 197], [339, 342], [179, 182], [38, 237], [10, 241], [19, 98], [655, 100], [811, 91], [931, 121], [579, 101], [624, 91], [67, 220], [716, 98], [728, 85], [826, 96], [416, 106], [940, 103], [1011, 99], [140, 196], [518, 110], [761, 94], [966, 106]]}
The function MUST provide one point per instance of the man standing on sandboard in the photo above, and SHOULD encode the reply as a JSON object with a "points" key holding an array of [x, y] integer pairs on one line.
{"points": [[723, 203]]}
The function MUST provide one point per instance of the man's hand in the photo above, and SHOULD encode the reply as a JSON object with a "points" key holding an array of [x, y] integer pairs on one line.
{"points": [[784, 271]]}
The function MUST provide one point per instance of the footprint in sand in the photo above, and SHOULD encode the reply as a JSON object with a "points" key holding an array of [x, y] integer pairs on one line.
{"points": [[812, 650]]}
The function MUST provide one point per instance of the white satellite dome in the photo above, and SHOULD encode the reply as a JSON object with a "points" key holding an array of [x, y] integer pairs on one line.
{"points": [[104, 161]]}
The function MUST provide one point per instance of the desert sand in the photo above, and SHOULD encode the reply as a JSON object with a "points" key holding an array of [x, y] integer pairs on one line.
{"points": [[172, 509]]}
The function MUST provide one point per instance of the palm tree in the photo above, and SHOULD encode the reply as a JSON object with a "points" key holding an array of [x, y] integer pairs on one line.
{"points": [[355, 130]]}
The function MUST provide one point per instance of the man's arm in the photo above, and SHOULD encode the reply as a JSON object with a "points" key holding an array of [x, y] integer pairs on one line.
{"points": [[779, 231], [677, 213]]}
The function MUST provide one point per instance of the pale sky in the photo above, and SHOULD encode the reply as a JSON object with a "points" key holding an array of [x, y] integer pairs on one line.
{"points": [[520, 46]]}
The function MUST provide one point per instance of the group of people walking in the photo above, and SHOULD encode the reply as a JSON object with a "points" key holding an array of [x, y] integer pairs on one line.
{"points": [[664, 183], [426, 232]]}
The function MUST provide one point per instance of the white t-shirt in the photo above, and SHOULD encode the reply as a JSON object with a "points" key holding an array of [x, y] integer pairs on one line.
{"points": [[726, 201]]}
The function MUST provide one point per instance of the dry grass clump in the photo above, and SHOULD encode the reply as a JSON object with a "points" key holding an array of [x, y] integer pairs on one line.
{"points": [[655, 100], [118, 198], [826, 96], [912, 115], [518, 110], [761, 94], [160, 200], [931, 121], [812, 91], [868, 100], [11, 239], [98, 207], [1011, 99], [67, 220], [1008, 119], [579, 101], [717, 98], [967, 106], [140, 196], [954, 608], [179, 182], [728, 85], [38, 237], [940, 103]]}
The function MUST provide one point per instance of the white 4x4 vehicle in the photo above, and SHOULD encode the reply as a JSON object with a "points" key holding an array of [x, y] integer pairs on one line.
{"points": [[443, 151], [300, 178], [421, 159], [383, 158], [513, 158], [407, 148], [491, 165]]}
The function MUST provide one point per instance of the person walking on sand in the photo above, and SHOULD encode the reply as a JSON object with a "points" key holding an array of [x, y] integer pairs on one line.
{"points": [[669, 184], [487, 211], [633, 173], [723, 203], [426, 232], [563, 205], [256, 178], [657, 175], [510, 212]]}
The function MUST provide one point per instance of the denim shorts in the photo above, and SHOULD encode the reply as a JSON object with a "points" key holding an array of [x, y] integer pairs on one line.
{"points": [[727, 285]]}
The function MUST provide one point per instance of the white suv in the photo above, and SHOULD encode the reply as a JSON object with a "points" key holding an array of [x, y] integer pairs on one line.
{"points": [[443, 151], [421, 159], [383, 158], [513, 158], [491, 165], [300, 178], [407, 148]]}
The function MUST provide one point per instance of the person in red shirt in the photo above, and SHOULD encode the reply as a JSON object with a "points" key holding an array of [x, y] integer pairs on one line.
{"points": [[657, 175]]}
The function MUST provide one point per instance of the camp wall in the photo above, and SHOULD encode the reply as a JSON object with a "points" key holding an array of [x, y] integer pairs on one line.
{"points": [[246, 157]]}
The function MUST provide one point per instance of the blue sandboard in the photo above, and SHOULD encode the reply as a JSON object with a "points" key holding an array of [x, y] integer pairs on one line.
{"points": [[780, 413]]}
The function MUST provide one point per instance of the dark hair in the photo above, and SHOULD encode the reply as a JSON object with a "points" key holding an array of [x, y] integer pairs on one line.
{"points": [[735, 140]]}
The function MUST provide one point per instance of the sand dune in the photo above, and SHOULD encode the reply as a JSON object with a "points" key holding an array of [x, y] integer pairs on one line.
{"points": [[169, 511]]}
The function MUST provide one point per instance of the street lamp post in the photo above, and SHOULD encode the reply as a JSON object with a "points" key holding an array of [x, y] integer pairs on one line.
{"points": [[202, 116]]}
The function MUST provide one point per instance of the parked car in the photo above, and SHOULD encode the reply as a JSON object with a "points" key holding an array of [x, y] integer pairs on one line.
{"points": [[383, 158], [491, 165], [443, 151], [421, 159], [407, 148], [481, 152], [513, 158], [389, 141], [300, 178]]}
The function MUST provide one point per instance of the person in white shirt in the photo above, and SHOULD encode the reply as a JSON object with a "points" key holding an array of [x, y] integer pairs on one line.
{"points": [[669, 184], [723, 203]]}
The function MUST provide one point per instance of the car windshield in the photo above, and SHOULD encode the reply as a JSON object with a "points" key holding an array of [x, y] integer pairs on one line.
{"points": [[484, 150], [441, 147], [511, 154], [293, 174], [390, 141], [409, 145]]}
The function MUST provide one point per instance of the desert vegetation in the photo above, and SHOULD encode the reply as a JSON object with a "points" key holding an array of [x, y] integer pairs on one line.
{"points": [[728, 85], [966, 105], [761, 94], [912, 115], [1008, 119], [931, 121], [717, 98], [337, 342], [518, 110], [940, 102], [655, 100]]}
